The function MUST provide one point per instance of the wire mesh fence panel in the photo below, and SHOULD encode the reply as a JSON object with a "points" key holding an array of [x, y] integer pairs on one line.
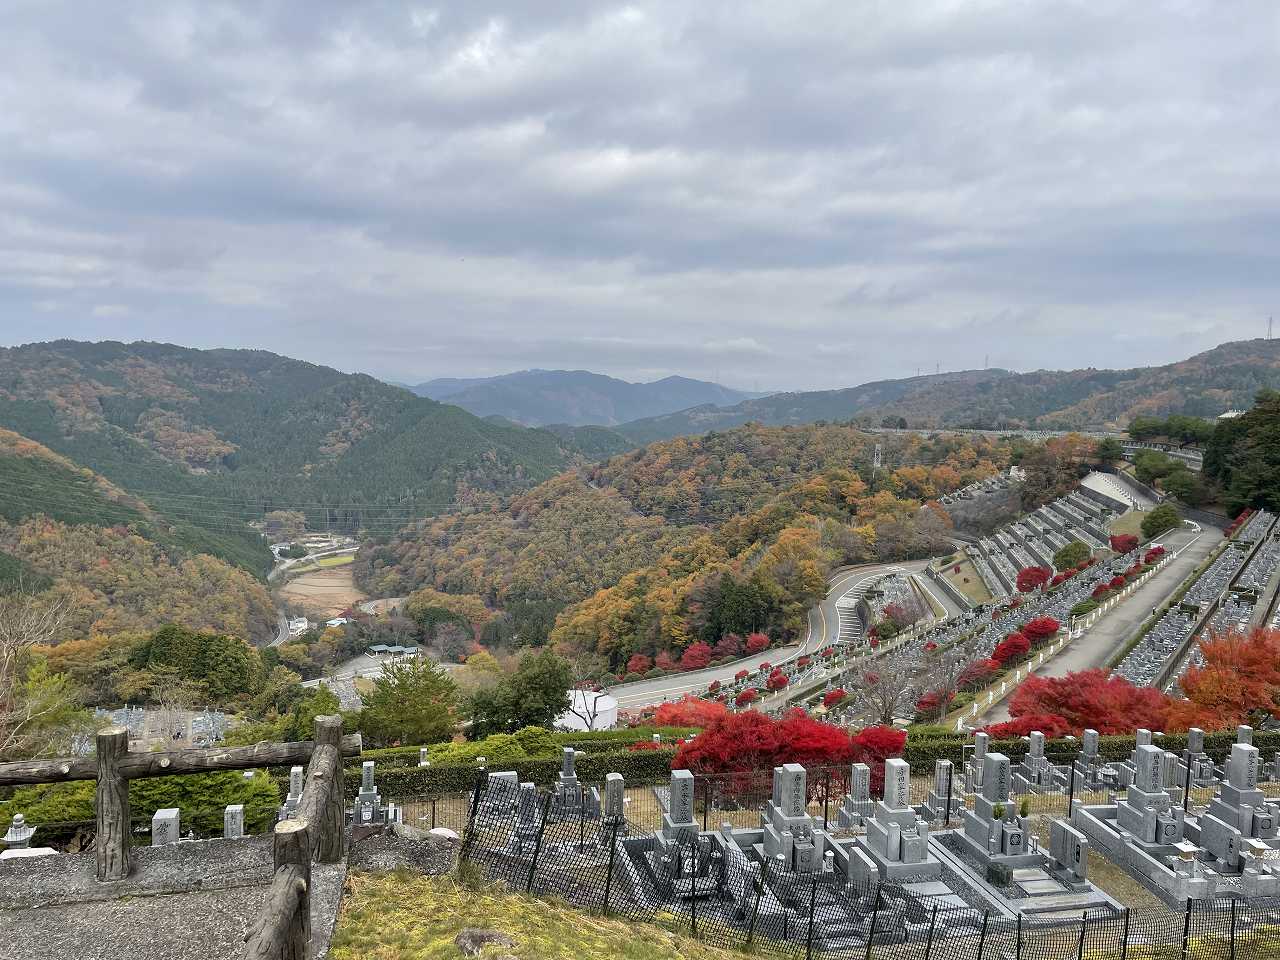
{"points": [[450, 810], [716, 887]]}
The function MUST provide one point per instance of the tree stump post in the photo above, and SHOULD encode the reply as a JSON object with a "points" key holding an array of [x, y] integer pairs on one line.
{"points": [[329, 833], [111, 848], [291, 847]]}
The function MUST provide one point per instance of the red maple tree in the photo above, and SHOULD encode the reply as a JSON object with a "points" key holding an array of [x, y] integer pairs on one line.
{"points": [[1040, 629], [1091, 698], [730, 645], [1123, 542], [1033, 578], [1050, 725], [1238, 683], [696, 656], [757, 642], [1011, 648], [689, 711], [639, 663]]}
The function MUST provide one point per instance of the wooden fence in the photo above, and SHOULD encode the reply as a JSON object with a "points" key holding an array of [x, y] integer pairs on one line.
{"points": [[316, 830]]}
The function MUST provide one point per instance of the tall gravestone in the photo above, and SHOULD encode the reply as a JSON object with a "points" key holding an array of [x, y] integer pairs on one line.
{"points": [[613, 821], [992, 829], [790, 837], [1239, 827], [1035, 773], [857, 802], [944, 794], [1147, 813]]}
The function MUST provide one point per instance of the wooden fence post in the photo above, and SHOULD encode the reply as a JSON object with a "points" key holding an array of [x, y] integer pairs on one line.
{"points": [[111, 848], [283, 928], [291, 847], [329, 832]]}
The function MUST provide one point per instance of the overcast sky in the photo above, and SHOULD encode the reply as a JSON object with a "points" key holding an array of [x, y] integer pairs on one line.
{"points": [[779, 194]]}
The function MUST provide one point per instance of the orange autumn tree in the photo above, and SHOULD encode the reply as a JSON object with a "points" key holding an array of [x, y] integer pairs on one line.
{"points": [[1238, 683]]}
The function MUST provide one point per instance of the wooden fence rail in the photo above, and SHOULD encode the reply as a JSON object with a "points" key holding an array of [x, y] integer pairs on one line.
{"points": [[315, 831]]}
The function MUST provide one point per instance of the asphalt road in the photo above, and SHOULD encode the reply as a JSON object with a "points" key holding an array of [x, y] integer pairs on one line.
{"points": [[824, 630]]}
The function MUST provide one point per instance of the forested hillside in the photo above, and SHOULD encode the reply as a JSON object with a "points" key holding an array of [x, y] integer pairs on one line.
{"points": [[220, 436], [1204, 385], [118, 564], [689, 539]]}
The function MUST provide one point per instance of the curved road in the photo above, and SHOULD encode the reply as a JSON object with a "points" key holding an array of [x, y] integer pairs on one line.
{"points": [[824, 631]]}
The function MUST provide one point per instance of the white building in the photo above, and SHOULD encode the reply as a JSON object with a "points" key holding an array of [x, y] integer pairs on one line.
{"points": [[589, 710]]}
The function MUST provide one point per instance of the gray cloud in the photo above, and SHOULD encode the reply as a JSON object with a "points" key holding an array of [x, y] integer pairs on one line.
{"points": [[798, 195]]}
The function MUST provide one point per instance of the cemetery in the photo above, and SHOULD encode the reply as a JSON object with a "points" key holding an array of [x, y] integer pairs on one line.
{"points": [[1223, 596], [916, 861], [1081, 516]]}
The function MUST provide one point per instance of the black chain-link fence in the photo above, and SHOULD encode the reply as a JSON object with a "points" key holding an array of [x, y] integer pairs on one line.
{"points": [[563, 843]]}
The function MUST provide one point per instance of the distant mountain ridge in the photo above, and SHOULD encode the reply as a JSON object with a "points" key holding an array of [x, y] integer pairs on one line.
{"points": [[575, 397], [1205, 385]]}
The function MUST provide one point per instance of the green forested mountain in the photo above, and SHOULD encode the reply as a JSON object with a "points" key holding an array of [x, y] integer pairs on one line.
{"points": [[1205, 385], [216, 437]]}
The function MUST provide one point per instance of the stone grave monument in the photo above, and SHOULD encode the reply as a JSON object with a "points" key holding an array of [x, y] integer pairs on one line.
{"points": [[165, 827], [368, 810], [790, 838], [897, 840], [233, 822], [1238, 829], [857, 803], [613, 821], [1035, 773], [1147, 813], [1068, 854], [993, 831], [946, 790], [297, 780]]}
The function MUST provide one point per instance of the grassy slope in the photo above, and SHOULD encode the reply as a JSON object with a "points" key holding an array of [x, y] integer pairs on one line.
{"points": [[409, 917]]}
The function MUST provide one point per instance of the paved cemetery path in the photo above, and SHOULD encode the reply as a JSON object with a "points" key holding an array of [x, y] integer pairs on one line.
{"points": [[1115, 629]]}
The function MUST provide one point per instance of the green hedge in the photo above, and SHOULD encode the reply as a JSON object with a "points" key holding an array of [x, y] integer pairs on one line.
{"points": [[639, 767], [594, 741]]}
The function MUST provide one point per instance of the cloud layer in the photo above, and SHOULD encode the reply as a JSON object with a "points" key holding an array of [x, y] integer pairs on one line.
{"points": [[796, 195]]}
